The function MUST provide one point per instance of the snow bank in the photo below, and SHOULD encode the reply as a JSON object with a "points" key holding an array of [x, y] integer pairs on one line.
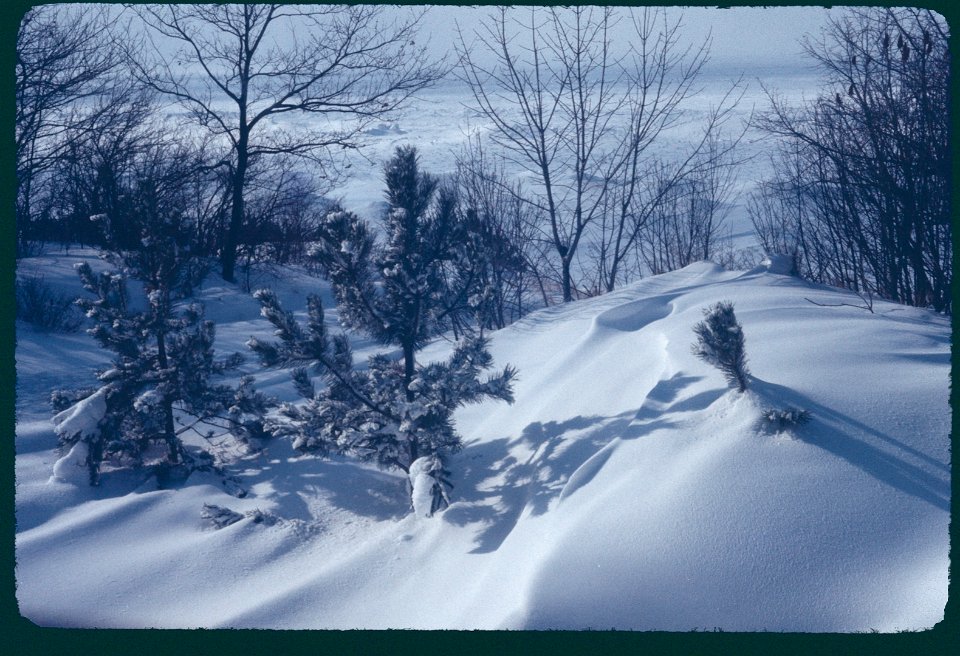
{"points": [[627, 487]]}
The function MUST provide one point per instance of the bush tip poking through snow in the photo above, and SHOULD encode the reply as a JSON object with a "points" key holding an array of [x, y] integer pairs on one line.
{"points": [[777, 420], [219, 517], [720, 342]]}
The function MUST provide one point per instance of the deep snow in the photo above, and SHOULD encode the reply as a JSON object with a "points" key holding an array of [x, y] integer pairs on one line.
{"points": [[627, 487]]}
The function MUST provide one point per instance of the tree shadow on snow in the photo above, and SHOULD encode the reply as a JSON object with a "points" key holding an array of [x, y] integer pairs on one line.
{"points": [[301, 487], [925, 478], [496, 486]]}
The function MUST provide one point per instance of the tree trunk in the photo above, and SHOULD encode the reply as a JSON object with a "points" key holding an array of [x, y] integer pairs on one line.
{"points": [[567, 286], [228, 256], [169, 431], [408, 369], [408, 372]]}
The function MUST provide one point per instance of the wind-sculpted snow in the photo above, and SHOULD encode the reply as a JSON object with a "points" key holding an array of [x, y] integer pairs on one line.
{"points": [[626, 487], [635, 315]]}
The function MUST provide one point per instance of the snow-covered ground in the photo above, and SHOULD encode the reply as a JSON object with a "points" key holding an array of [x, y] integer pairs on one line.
{"points": [[626, 487]]}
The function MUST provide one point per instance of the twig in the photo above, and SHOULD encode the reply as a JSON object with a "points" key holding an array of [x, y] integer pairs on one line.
{"points": [[867, 304]]}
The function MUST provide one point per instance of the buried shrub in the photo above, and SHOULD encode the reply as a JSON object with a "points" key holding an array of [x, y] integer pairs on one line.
{"points": [[40, 305], [218, 517], [775, 420], [720, 342]]}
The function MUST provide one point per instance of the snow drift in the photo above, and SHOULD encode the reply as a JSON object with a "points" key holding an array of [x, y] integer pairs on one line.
{"points": [[628, 487]]}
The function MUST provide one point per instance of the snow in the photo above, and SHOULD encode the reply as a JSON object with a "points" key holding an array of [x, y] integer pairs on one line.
{"points": [[626, 487], [422, 485], [81, 420], [72, 467]]}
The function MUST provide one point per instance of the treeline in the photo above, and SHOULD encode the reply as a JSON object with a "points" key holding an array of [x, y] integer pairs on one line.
{"points": [[190, 103], [860, 191], [195, 118], [184, 96], [861, 188]]}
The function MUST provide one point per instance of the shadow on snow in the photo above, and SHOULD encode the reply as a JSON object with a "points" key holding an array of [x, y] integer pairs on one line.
{"points": [[496, 485]]}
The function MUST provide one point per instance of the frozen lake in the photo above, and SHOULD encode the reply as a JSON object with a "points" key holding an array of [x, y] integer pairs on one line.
{"points": [[440, 120]]}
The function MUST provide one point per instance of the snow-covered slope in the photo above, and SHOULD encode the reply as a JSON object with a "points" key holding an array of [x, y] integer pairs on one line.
{"points": [[627, 487]]}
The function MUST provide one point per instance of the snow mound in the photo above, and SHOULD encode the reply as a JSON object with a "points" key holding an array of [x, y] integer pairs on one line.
{"points": [[627, 486], [422, 484], [72, 467], [635, 315]]}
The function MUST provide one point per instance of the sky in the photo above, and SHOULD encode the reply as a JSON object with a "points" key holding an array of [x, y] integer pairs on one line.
{"points": [[770, 35]]}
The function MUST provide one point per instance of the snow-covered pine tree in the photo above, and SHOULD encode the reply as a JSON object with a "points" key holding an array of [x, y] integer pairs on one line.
{"points": [[401, 293], [163, 365], [720, 342]]}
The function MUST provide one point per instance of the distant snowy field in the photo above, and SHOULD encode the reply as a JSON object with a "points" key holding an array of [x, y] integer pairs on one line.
{"points": [[440, 120], [627, 487]]}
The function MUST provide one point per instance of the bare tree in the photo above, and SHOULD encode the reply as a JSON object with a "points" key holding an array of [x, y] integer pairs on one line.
{"points": [[283, 209], [583, 120], [237, 69], [686, 222], [66, 78], [561, 118], [506, 230], [94, 167], [664, 75], [875, 159]]}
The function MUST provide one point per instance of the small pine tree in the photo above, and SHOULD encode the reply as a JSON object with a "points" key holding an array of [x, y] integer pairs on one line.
{"points": [[395, 411], [163, 365], [720, 342]]}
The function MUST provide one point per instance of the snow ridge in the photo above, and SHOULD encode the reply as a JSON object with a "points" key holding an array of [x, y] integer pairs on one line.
{"points": [[627, 487]]}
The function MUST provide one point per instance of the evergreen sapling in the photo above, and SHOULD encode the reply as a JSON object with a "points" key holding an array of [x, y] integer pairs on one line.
{"points": [[720, 342], [400, 292], [163, 367]]}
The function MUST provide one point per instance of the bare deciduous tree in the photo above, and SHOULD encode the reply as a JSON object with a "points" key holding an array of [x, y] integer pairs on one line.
{"points": [[582, 119], [685, 224], [552, 136], [237, 69], [65, 79], [506, 230], [869, 175]]}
